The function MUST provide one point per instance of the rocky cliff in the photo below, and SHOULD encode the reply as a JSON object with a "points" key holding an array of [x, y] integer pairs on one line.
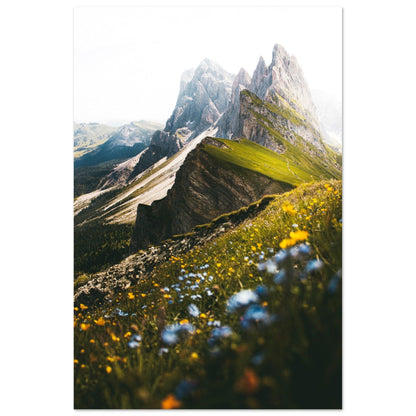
{"points": [[203, 97], [276, 97], [204, 189]]}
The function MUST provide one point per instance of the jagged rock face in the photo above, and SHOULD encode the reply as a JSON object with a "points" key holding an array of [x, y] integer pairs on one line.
{"points": [[249, 126], [257, 118], [229, 123], [278, 98], [203, 96], [284, 77], [203, 190]]}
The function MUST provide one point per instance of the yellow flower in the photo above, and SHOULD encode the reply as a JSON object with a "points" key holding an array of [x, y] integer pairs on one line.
{"points": [[100, 321], [82, 306], [127, 334], [76, 361], [143, 295], [288, 208], [218, 264], [299, 235], [130, 295], [85, 327], [92, 341], [114, 338], [108, 369], [287, 242], [194, 356], [253, 248], [170, 402], [184, 321], [202, 315]]}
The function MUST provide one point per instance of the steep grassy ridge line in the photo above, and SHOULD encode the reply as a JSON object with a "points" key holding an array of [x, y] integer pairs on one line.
{"points": [[207, 186], [279, 127], [284, 167]]}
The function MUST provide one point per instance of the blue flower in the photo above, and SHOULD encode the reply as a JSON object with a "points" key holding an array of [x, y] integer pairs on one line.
{"points": [[313, 265], [135, 341], [258, 359], [162, 351], [185, 389], [256, 315], [269, 265], [119, 312], [193, 310], [173, 333], [300, 250], [280, 277], [280, 256], [241, 299], [214, 323], [262, 291], [334, 283], [221, 332]]}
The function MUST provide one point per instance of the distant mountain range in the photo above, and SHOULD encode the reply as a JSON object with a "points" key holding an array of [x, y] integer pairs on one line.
{"points": [[99, 148]]}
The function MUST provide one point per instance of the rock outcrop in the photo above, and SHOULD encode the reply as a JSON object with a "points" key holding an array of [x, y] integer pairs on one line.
{"points": [[230, 121], [203, 190]]}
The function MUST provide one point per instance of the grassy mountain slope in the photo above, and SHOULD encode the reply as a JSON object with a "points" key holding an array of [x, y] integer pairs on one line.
{"points": [[282, 351], [291, 167], [298, 141]]}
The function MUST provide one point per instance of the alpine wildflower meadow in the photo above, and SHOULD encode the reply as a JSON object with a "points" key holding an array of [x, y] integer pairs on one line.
{"points": [[251, 319]]}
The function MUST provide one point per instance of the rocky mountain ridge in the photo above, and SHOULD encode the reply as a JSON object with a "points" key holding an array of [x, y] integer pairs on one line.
{"points": [[203, 97], [203, 189], [281, 87]]}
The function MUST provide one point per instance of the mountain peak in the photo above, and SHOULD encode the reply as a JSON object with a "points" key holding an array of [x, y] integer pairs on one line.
{"points": [[279, 54], [243, 78]]}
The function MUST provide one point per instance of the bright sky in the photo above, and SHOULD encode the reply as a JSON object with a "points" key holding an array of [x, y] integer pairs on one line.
{"points": [[128, 61]]}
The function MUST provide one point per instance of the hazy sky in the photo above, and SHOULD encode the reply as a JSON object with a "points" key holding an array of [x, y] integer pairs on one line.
{"points": [[128, 60]]}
